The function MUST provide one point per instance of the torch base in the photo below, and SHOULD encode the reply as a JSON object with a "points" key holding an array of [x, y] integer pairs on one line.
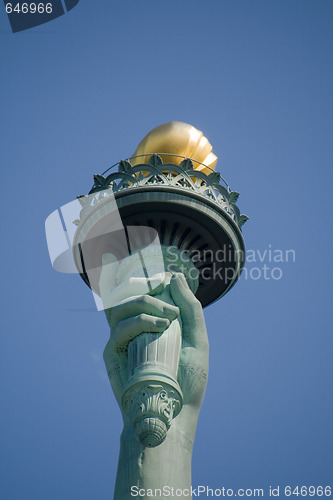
{"points": [[151, 405]]}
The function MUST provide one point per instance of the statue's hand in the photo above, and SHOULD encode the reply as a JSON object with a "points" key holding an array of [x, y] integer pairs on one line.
{"points": [[129, 318], [139, 313], [130, 311]]}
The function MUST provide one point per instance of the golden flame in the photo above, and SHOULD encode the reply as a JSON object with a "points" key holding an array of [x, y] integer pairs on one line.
{"points": [[177, 138]]}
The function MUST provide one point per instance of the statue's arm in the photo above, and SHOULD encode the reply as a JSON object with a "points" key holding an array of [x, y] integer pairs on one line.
{"points": [[169, 464]]}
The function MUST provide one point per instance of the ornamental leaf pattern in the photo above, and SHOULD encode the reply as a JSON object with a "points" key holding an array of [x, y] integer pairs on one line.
{"points": [[182, 176]]}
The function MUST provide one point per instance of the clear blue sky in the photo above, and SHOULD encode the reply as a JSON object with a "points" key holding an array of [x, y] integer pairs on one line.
{"points": [[77, 95]]}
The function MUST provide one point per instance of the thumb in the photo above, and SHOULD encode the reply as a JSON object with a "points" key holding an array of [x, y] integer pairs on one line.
{"points": [[194, 328]]}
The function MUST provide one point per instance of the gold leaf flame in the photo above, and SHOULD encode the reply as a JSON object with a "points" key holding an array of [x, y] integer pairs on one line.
{"points": [[178, 139]]}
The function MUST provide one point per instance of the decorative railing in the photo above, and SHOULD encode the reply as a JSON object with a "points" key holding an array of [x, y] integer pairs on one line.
{"points": [[156, 173]]}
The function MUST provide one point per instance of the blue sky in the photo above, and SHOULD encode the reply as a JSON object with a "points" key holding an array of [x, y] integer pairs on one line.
{"points": [[77, 95]]}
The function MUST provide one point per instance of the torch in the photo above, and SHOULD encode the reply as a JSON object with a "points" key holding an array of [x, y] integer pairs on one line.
{"points": [[164, 210]]}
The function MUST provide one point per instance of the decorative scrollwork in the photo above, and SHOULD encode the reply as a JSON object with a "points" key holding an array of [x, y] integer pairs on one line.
{"points": [[151, 409], [183, 176], [153, 400]]}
